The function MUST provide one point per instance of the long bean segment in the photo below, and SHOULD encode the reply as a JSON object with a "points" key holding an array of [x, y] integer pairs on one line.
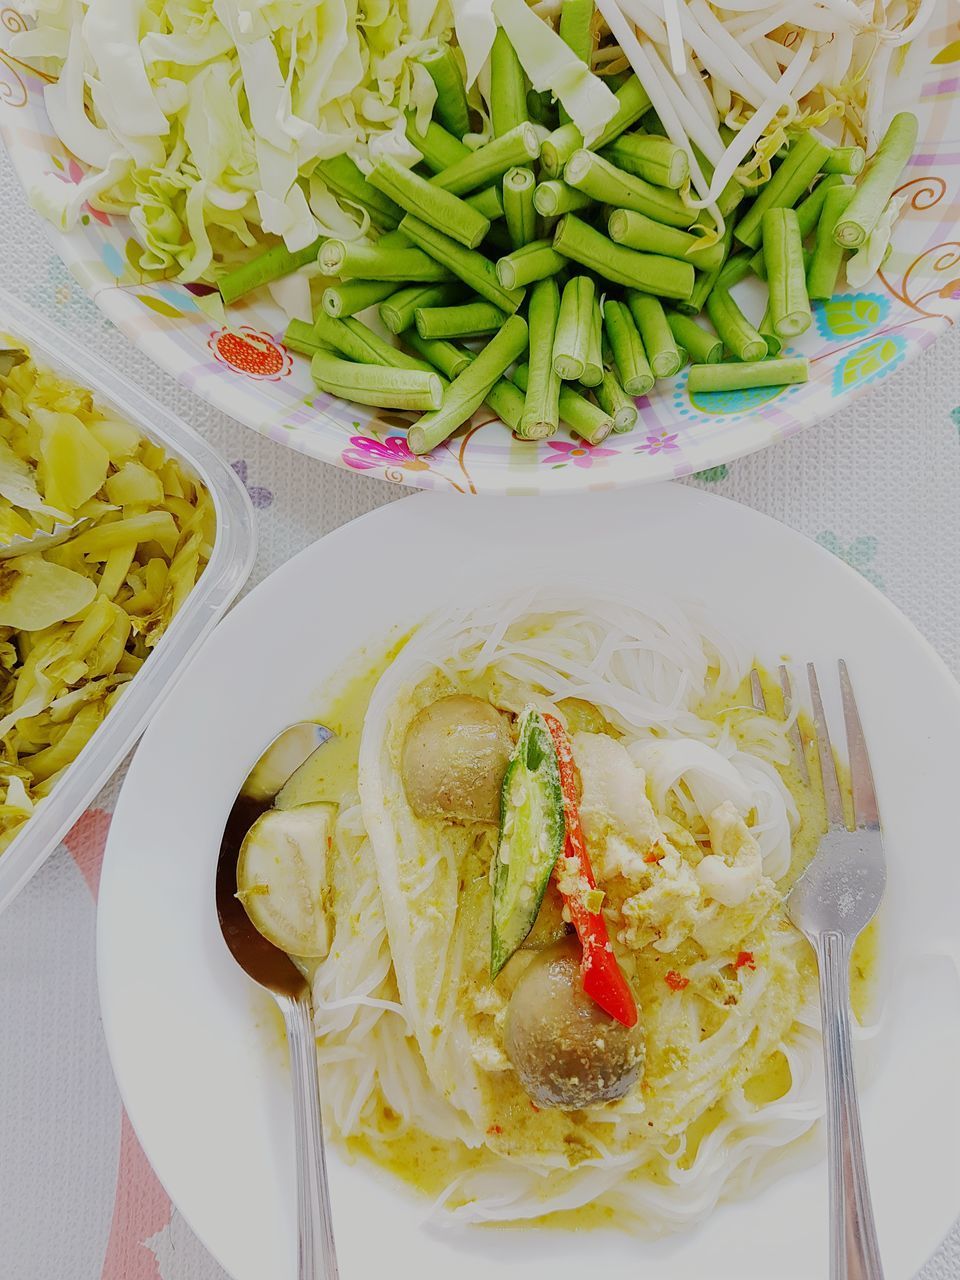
{"points": [[398, 311], [451, 105], [357, 341], [430, 203], [846, 160], [648, 156], [701, 346], [450, 360], [706, 280], [470, 388], [576, 31], [637, 231], [353, 261], [735, 331], [468, 321], [615, 402], [592, 374], [299, 336], [827, 253], [272, 265], [489, 202], [632, 101], [508, 86], [655, 333], [350, 296], [438, 147], [607, 184], [744, 376], [518, 208], [765, 328], [535, 261], [572, 340], [627, 348], [803, 162], [471, 267], [380, 385], [878, 181], [581, 415], [541, 411], [808, 216], [786, 280], [653, 273], [342, 176], [555, 198], [490, 162]]}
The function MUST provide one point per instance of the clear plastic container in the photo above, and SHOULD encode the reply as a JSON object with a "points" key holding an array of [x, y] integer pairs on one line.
{"points": [[229, 566]]}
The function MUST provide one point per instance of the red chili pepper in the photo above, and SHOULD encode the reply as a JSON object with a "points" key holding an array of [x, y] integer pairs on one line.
{"points": [[745, 958], [675, 981], [603, 980]]}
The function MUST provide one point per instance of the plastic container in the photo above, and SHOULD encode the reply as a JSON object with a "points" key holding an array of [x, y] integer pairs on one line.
{"points": [[229, 566]]}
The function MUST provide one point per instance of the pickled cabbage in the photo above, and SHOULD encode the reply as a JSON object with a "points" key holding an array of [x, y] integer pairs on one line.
{"points": [[78, 620]]}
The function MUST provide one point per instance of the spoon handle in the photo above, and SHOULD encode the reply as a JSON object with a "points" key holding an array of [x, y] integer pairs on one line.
{"points": [[854, 1252], [316, 1251]]}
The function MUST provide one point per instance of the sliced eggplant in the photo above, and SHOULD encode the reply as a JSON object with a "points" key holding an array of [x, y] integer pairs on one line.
{"points": [[282, 878]]}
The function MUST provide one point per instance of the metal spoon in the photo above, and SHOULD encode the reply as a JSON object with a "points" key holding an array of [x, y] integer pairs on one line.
{"points": [[275, 971]]}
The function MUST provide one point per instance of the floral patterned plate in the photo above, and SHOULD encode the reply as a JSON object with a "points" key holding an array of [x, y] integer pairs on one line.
{"points": [[857, 338]]}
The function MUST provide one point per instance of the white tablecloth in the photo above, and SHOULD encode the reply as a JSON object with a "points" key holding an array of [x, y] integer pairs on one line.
{"points": [[878, 485]]}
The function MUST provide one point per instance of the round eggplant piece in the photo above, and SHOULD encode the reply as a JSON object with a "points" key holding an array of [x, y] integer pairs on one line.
{"points": [[567, 1052], [454, 757]]}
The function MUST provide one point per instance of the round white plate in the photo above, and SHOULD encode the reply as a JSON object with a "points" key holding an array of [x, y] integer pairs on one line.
{"points": [[198, 1059], [858, 337]]}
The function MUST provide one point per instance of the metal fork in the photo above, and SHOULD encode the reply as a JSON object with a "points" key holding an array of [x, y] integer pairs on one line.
{"points": [[832, 903]]}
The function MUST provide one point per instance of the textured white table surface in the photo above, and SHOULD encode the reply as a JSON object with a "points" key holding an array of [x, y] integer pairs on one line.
{"points": [[878, 485]]}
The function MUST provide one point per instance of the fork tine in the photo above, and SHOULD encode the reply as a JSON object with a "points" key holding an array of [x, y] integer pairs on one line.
{"points": [[828, 765], [756, 691], [796, 741], [865, 812]]}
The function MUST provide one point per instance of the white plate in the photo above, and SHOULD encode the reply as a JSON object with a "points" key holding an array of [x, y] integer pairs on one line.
{"points": [[198, 1060]]}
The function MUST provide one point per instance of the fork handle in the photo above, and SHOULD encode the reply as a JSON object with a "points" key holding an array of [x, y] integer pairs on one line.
{"points": [[316, 1251], [854, 1252]]}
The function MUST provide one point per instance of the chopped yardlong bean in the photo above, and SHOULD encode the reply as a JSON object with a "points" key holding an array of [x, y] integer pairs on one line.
{"points": [[648, 156], [706, 280], [845, 160], [444, 356], [592, 374], [541, 412], [808, 216], [614, 401], [576, 31], [507, 401], [535, 261], [701, 346], [470, 388], [376, 384], [736, 332], [357, 341], [572, 340], [451, 105], [472, 267], [508, 86], [637, 231], [555, 198], [653, 273], [878, 181], [490, 162], [275, 263], [430, 203], [655, 333], [803, 162], [467, 321], [581, 415], [607, 184], [349, 260], [346, 299], [341, 176], [299, 336], [439, 148], [765, 328], [783, 258], [627, 348], [489, 202], [518, 208], [397, 312], [827, 254], [632, 102], [743, 376]]}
